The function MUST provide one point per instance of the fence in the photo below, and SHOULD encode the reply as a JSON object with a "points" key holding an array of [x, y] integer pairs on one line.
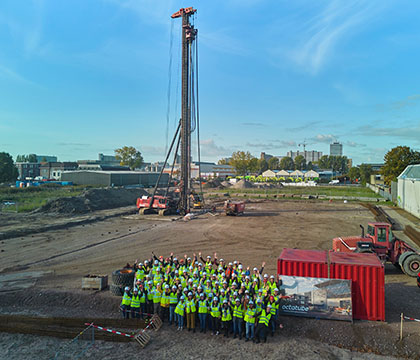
{"points": [[384, 192]]}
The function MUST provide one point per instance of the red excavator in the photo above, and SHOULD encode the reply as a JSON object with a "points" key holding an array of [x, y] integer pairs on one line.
{"points": [[379, 240]]}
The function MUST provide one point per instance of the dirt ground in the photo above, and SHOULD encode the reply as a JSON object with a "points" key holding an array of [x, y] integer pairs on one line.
{"points": [[40, 274]]}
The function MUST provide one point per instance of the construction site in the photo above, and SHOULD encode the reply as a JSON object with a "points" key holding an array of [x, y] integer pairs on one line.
{"points": [[59, 292]]}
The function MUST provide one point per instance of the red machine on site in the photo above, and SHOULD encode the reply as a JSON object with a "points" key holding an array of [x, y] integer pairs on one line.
{"points": [[379, 240], [163, 205], [234, 208]]}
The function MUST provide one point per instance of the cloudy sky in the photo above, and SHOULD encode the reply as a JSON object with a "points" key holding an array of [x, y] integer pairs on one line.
{"points": [[82, 77]]}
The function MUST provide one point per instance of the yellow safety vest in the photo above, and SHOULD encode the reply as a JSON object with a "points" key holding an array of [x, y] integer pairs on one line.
{"points": [[135, 301], [180, 309], [250, 316], [226, 314], [238, 311], [126, 300], [264, 318], [202, 307], [215, 311]]}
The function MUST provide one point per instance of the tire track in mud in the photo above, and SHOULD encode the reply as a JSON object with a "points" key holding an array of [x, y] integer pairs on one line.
{"points": [[25, 266]]}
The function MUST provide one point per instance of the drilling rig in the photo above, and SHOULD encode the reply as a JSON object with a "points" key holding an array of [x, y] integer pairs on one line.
{"points": [[165, 205]]}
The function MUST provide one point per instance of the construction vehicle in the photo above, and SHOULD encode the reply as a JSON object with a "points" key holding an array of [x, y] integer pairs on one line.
{"points": [[197, 201], [380, 241], [234, 208], [162, 205]]}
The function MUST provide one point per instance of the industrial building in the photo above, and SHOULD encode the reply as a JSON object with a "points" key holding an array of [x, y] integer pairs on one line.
{"points": [[53, 170], [114, 178], [409, 190], [28, 170]]}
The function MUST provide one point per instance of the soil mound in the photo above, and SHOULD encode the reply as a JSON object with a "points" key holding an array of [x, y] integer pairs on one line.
{"points": [[213, 184], [92, 200], [243, 184]]}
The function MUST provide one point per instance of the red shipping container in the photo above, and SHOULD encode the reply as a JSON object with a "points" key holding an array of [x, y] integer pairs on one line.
{"points": [[368, 282], [298, 262]]}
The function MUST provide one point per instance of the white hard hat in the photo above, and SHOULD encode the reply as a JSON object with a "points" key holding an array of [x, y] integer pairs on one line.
{"points": [[190, 293], [156, 262], [272, 277], [276, 289], [127, 288], [265, 276], [166, 286], [255, 269], [240, 266]]}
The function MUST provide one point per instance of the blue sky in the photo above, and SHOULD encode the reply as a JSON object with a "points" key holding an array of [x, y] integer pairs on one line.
{"points": [[82, 77]]}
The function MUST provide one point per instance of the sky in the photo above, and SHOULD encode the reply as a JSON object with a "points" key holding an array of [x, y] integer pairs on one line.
{"points": [[78, 78]]}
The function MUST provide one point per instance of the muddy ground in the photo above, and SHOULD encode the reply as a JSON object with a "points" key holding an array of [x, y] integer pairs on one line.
{"points": [[40, 274]]}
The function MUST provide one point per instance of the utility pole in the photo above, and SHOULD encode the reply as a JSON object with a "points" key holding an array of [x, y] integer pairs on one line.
{"points": [[188, 36]]}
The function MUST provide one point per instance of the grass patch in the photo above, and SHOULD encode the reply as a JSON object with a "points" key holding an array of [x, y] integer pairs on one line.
{"points": [[31, 198], [345, 191]]}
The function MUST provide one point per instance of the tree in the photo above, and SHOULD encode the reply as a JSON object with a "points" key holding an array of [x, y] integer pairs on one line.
{"points": [[129, 156], [222, 162], [300, 162], [32, 158], [287, 163], [324, 162], [396, 160], [354, 173], [273, 163], [309, 165], [240, 160], [262, 165], [8, 170], [365, 172], [253, 165]]}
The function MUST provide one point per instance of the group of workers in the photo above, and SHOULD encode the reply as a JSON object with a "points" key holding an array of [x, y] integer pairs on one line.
{"points": [[225, 297]]}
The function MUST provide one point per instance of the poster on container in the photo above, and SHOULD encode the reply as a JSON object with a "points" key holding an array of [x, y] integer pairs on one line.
{"points": [[316, 297]]}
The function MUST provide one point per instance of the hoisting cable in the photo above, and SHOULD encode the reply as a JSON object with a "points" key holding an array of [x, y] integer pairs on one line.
{"points": [[198, 119], [168, 94]]}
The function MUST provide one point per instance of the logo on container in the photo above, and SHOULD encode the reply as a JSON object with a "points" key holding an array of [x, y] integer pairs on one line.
{"points": [[295, 308]]}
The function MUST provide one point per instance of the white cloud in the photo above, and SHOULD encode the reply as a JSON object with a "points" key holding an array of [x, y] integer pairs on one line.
{"points": [[324, 138], [317, 39]]}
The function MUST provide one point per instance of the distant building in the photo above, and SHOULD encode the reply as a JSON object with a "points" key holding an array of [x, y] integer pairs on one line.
{"points": [[114, 178], [336, 149], [108, 159], [265, 156], [53, 170], [377, 179], [154, 167], [310, 156], [102, 160], [46, 158], [376, 167], [99, 167], [28, 170], [409, 189], [209, 169]]}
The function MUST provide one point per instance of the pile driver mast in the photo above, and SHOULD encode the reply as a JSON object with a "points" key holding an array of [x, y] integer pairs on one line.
{"points": [[189, 34]]}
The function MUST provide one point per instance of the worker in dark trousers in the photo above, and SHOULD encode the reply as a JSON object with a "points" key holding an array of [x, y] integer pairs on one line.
{"points": [[226, 318], [263, 321], [135, 304], [238, 318], [215, 314], [125, 303]]}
